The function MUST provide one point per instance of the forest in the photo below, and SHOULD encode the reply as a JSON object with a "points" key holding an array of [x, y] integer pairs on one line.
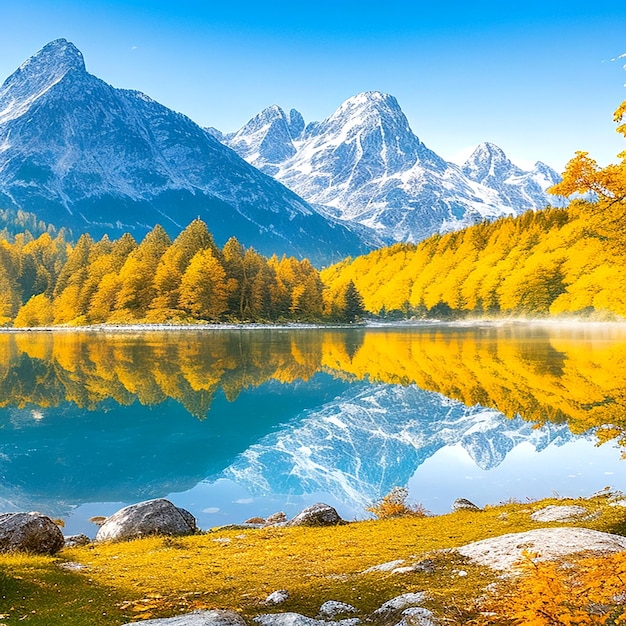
{"points": [[550, 262], [47, 281]]}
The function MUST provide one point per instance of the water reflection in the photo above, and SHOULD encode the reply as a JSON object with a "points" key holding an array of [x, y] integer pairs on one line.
{"points": [[119, 417]]}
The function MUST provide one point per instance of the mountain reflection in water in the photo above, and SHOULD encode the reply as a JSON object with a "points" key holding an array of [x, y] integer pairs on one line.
{"points": [[118, 417]]}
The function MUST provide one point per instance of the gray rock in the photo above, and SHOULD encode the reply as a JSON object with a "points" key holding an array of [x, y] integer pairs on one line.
{"points": [[153, 517], [462, 504], [401, 602], [554, 513], [189, 518], [333, 608], [295, 619], [276, 518], [505, 551], [197, 618], [29, 532], [317, 515], [277, 597], [417, 616], [71, 541]]}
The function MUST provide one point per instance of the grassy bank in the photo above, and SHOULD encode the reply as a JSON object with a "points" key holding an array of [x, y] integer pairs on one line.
{"points": [[161, 576]]}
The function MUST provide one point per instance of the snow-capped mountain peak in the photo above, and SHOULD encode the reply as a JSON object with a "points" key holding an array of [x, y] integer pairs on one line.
{"points": [[266, 139], [36, 76], [488, 161], [519, 189], [364, 165], [82, 154]]}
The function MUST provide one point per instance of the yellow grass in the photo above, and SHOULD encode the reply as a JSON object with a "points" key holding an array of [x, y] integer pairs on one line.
{"points": [[238, 569]]}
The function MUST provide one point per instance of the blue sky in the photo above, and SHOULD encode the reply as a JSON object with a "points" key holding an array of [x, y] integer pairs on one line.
{"points": [[536, 79]]}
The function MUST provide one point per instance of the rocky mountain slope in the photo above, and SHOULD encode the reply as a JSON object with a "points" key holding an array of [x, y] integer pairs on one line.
{"points": [[80, 153], [364, 165]]}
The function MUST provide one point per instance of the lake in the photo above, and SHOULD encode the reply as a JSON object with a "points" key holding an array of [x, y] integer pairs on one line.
{"points": [[235, 423]]}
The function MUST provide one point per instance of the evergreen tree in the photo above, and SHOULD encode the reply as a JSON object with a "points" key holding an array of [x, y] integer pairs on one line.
{"points": [[354, 307]]}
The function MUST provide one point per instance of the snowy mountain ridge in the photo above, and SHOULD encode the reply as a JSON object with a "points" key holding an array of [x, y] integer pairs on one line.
{"points": [[80, 153], [364, 165]]}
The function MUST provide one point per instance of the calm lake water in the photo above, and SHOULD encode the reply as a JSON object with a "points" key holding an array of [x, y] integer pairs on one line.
{"points": [[232, 424]]}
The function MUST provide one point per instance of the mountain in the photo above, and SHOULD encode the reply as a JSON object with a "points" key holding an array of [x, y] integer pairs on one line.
{"points": [[374, 437], [364, 165], [80, 153], [489, 166]]}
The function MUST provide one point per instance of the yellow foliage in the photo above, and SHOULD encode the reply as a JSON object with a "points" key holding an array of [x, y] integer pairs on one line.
{"points": [[586, 592], [394, 505]]}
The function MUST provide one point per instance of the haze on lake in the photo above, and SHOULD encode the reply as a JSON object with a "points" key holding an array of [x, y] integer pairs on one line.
{"points": [[237, 423]]}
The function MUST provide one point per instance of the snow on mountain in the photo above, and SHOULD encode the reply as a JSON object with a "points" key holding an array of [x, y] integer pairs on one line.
{"points": [[522, 190], [364, 165], [83, 154], [373, 438]]}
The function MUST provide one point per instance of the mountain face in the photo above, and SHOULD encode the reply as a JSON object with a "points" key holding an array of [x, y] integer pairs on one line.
{"points": [[83, 154], [364, 165], [489, 166]]}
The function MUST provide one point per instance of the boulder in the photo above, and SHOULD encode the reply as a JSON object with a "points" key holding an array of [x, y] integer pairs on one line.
{"points": [[276, 518], [401, 602], [153, 517], [71, 541], [462, 504], [504, 552], [333, 608], [197, 618], [277, 597], [295, 619], [555, 513], [317, 515], [29, 532]]}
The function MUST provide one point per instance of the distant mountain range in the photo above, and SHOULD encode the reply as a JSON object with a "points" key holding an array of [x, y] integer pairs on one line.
{"points": [[364, 165], [80, 153]]}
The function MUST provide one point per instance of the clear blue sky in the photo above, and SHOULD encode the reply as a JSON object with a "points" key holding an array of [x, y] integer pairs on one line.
{"points": [[535, 79]]}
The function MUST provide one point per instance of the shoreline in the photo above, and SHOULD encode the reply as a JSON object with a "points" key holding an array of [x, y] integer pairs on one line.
{"points": [[368, 325]]}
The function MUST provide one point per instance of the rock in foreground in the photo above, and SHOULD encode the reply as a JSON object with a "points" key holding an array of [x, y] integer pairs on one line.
{"points": [[197, 618], [317, 515], [503, 552], [29, 532], [153, 517], [555, 513]]}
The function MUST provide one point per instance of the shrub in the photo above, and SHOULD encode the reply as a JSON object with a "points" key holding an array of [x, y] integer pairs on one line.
{"points": [[394, 505]]}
